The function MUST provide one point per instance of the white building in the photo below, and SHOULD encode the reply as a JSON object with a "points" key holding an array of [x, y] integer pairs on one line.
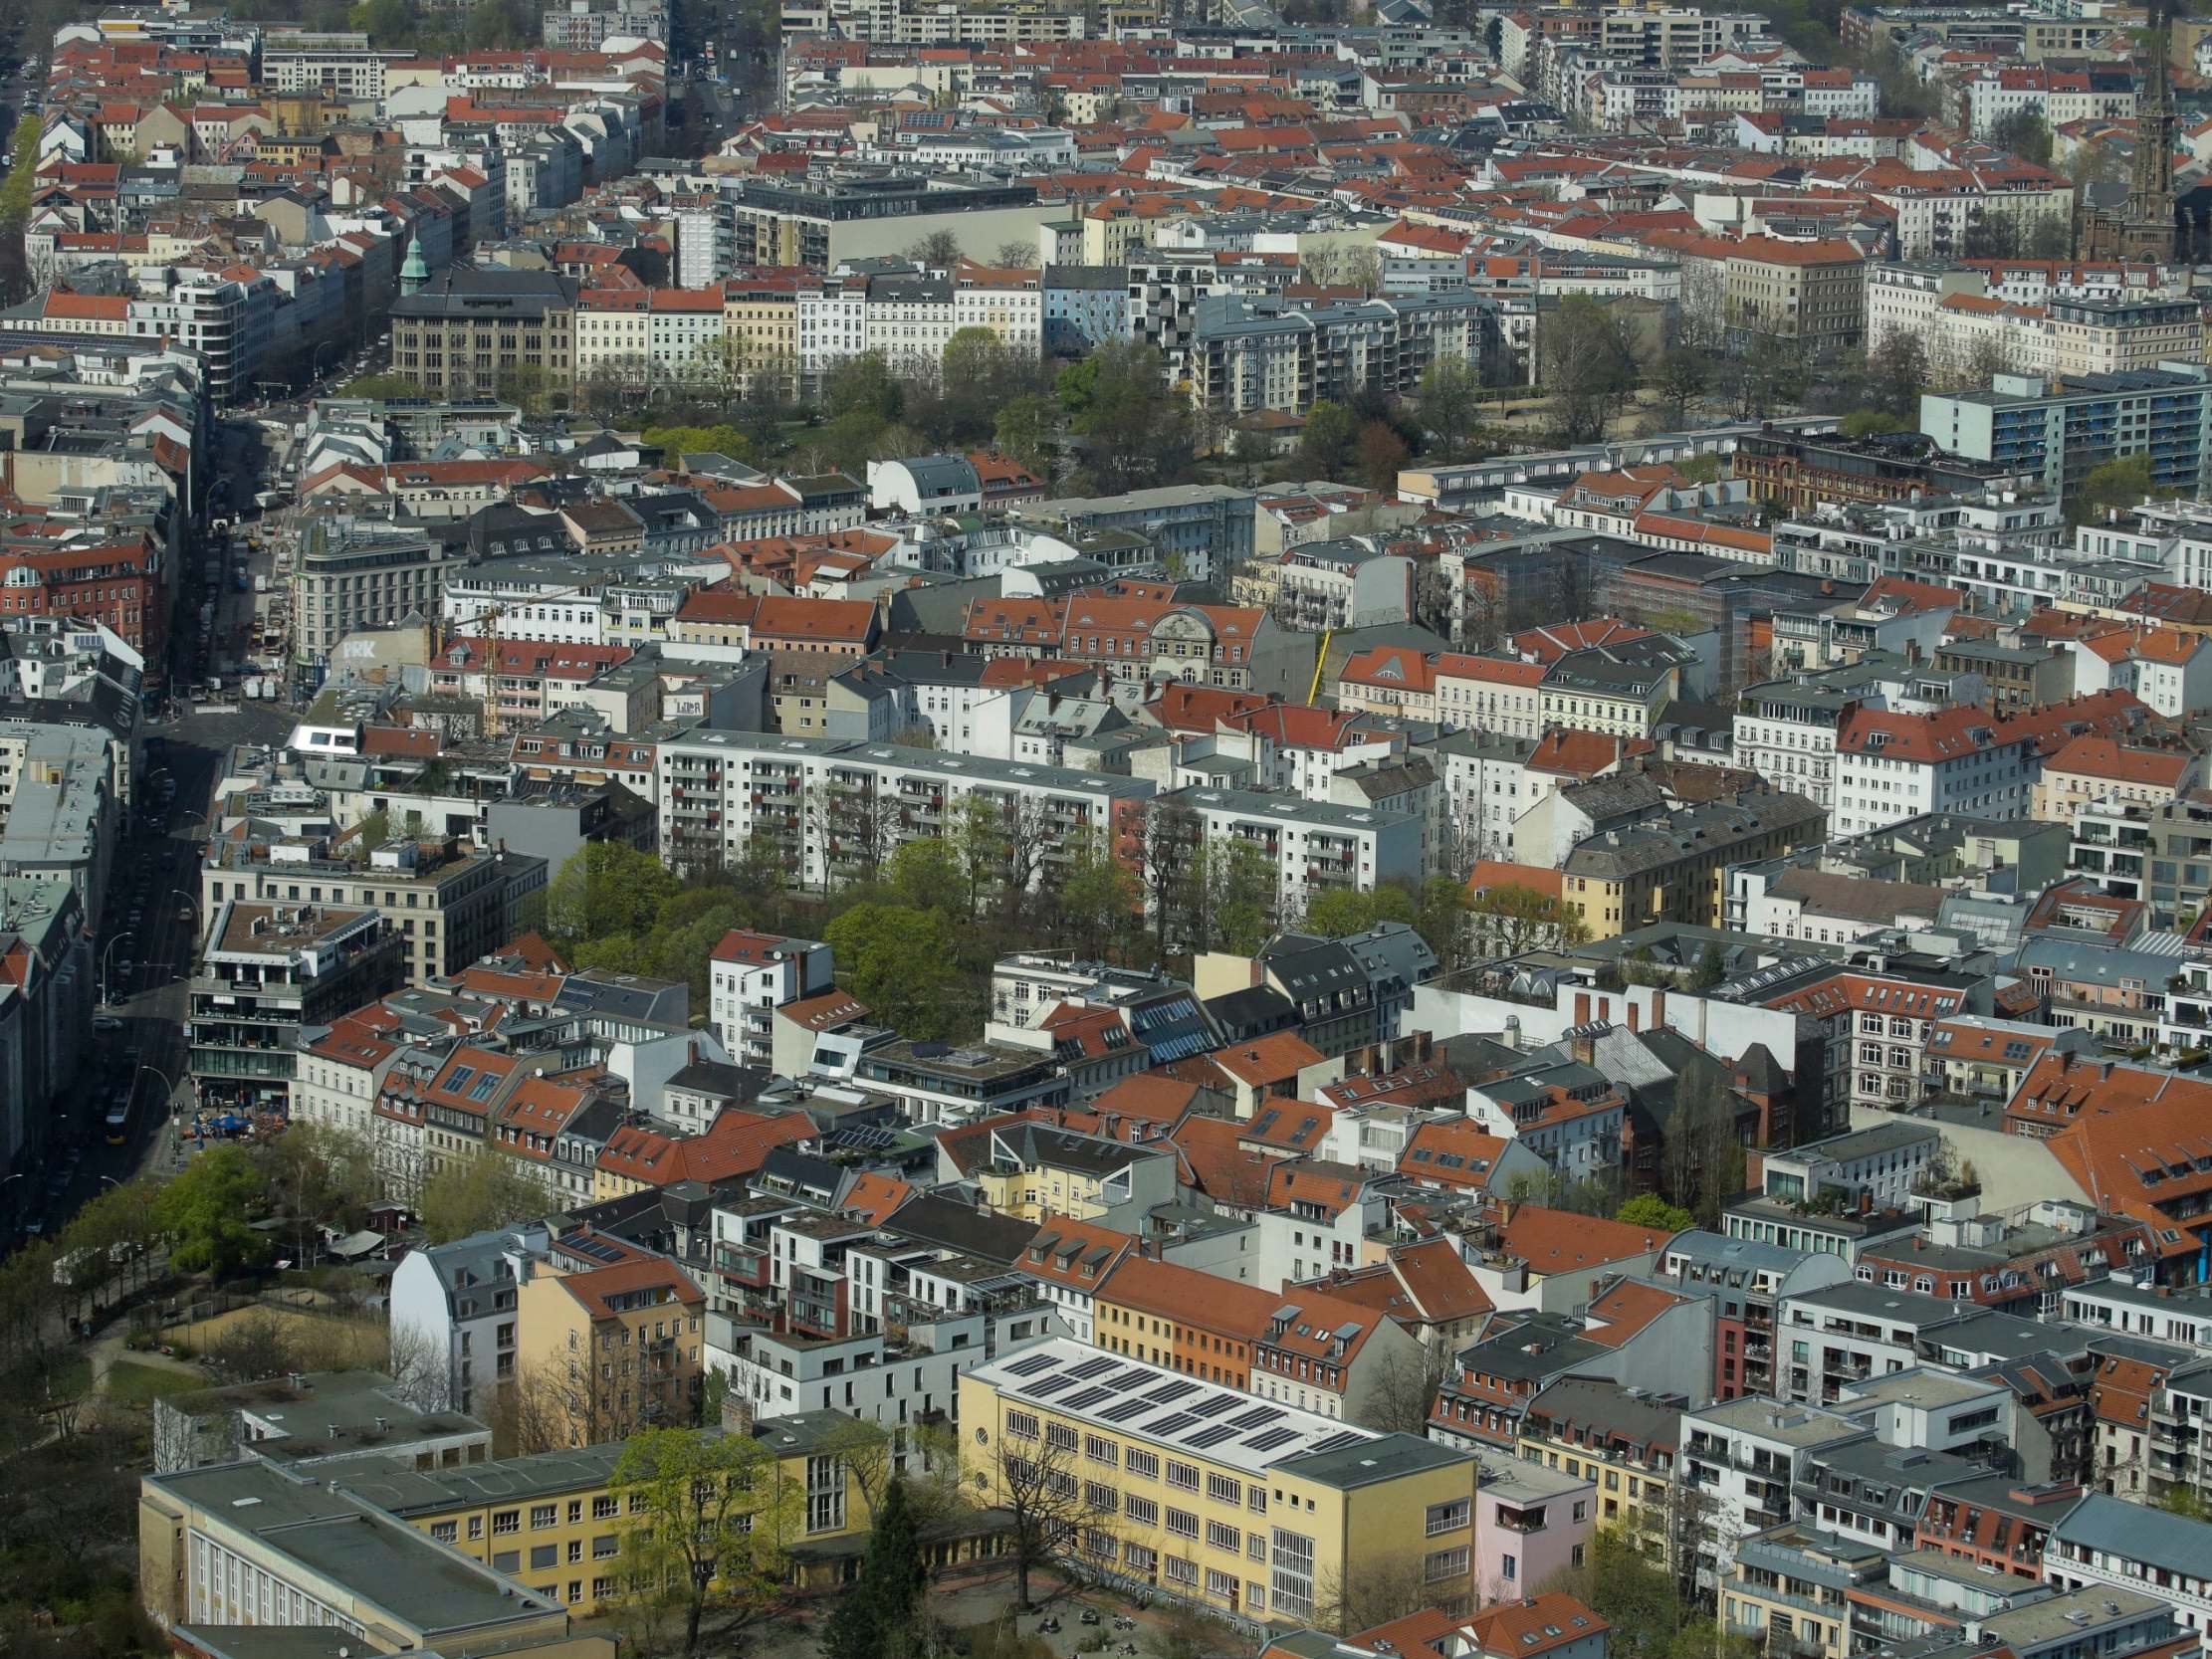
{"points": [[750, 977], [1891, 766], [1313, 846], [1742, 1458], [455, 1303]]}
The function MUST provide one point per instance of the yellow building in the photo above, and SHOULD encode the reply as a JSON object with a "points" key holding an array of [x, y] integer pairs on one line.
{"points": [[1033, 1171], [1675, 868], [759, 319], [249, 1544], [613, 1349], [1212, 1495], [554, 1521], [1591, 1428], [1791, 1589]]}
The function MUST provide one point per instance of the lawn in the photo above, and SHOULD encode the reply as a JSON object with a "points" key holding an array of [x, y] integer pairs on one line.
{"points": [[143, 1384]]}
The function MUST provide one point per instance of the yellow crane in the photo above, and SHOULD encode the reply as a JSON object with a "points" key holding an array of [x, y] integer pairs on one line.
{"points": [[1320, 661]]}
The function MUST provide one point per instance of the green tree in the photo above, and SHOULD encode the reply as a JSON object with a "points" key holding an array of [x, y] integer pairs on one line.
{"points": [[1341, 911], [1098, 900], [926, 874], [1637, 1595], [1897, 374], [207, 1211], [1022, 430], [2025, 133], [317, 1175], [720, 438], [603, 889], [1229, 896], [1509, 919], [904, 963], [873, 1619], [1134, 432], [1712, 967], [1325, 447], [22, 179], [1864, 423], [1699, 469], [2118, 485], [708, 1519], [863, 384], [1649, 1210], [487, 1190]]}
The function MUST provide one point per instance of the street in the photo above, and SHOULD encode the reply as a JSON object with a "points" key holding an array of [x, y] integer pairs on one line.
{"points": [[149, 935]]}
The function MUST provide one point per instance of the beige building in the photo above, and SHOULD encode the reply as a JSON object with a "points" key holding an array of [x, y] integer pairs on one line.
{"points": [[615, 1348], [1805, 294], [470, 330]]}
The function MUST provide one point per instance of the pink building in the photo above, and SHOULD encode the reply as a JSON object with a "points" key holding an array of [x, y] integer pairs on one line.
{"points": [[1529, 1524]]}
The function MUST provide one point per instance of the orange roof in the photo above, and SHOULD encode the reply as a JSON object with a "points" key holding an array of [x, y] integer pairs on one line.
{"points": [[1221, 1166], [1490, 874], [1191, 1295], [1548, 1622], [1489, 670], [1583, 755], [1452, 1151], [595, 1289], [1079, 1254], [1559, 1241], [733, 1146], [2102, 758], [1266, 1059], [830, 1011], [872, 1196]]}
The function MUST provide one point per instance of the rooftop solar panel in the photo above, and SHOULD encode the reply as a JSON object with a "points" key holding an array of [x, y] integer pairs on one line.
{"points": [[1172, 1391], [1095, 1367], [1257, 1415], [1210, 1435], [1173, 1423], [1125, 1410], [1035, 1364], [1087, 1399], [1271, 1440]]}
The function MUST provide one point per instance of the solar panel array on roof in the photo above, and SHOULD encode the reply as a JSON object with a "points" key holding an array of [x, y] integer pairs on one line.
{"points": [[1087, 1399], [1095, 1367], [1173, 1423], [1030, 1366], [1271, 1440], [1254, 1417], [1215, 1405], [1127, 1409], [1049, 1386], [1336, 1440], [1211, 1435], [1172, 1391]]}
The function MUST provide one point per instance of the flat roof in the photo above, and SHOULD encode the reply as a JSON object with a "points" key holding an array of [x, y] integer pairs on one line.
{"points": [[1226, 1427]]}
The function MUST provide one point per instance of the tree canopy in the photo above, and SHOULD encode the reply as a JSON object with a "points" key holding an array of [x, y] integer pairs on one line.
{"points": [[207, 1213], [486, 1190]]}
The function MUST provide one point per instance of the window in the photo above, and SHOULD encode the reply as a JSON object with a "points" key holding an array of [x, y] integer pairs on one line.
{"points": [[1508, 1567], [1101, 1497], [444, 1532], [1223, 1536], [1449, 1517], [1059, 1435], [1445, 1564], [542, 1555], [1291, 1579], [506, 1521], [1185, 1475], [1179, 1572], [541, 1515], [1142, 1463], [1138, 1559], [1143, 1511], [605, 1508], [1181, 1523], [1222, 1490], [1099, 1449], [1021, 1423]]}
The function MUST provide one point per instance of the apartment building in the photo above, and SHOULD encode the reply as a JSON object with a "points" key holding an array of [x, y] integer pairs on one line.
{"points": [[612, 1333], [449, 904], [751, 974], [1625, 1442], [1891, 766], [354, 573], [2107, 1543], [1674, 868], [1839, 1336], [1808, 296], [1741, 1460], [834, 806], [267, 971], [1312, 846], [2055, 430], [1201, 1493]]}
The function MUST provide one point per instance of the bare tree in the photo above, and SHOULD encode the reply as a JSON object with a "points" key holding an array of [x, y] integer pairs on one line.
{"points": [[1035, 1480], [1377, 1589], [1403, 1390]]}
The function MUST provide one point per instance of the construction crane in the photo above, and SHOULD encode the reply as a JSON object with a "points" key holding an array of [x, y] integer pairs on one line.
{"points": [[1320, 661]]}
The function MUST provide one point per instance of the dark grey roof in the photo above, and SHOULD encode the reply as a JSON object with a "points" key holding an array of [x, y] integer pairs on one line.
{"points": [[2137, 1532], [941, 1222]]}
